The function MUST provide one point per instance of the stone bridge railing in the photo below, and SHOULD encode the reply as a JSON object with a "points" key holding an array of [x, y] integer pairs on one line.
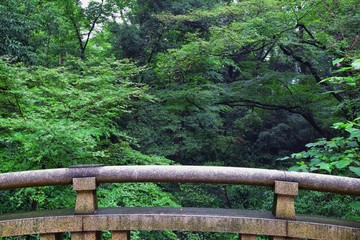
{"points": [[86, 221]]}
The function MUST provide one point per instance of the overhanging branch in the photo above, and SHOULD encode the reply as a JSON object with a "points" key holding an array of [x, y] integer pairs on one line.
{"points": [[287, 51], [305, 113]]}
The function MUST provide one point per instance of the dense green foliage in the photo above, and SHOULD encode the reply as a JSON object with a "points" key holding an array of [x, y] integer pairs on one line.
{"points": [[84, 100], [265, 84]]}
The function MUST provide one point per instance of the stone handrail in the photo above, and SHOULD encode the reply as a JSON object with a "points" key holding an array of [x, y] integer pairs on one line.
{"points": [[180, 174], [87, 220]]}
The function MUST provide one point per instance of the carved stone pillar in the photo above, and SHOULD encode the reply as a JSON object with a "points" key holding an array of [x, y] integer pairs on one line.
{"points": [[247, 237], [284, 206], [86, 200], [285, 193], [120, 235], [86, 203]]}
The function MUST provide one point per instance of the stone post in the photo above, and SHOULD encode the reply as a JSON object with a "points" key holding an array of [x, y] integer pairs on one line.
{"points": [[120, 235], [285, 193], [284, 206], [86, 199], [86, 203], [247, 237]]}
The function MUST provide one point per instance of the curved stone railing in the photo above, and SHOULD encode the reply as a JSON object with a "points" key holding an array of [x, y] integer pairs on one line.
{"points": [[86, 221]]}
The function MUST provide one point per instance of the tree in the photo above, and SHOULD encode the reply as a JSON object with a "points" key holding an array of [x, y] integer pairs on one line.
{"points": [[42, 106], [58, 117], [245, 33], [81, 19], [15, 29]]}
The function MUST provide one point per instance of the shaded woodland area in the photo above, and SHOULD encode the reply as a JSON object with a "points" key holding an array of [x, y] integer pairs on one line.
{"points": [[263, 84]]}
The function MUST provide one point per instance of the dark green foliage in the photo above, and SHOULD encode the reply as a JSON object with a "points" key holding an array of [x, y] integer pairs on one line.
{"points": [[195, 129], [127, 42], [15, 30], [339, 155], [33, 199], [332, 205]]}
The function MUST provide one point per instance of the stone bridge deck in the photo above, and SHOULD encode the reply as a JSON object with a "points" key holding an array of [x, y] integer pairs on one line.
{"points": [[122, 220]]}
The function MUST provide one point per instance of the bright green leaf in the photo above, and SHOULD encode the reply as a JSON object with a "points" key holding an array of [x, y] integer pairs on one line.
{"points": [[356, 64], [355, 205], [343, 163], [355, 170], [325, 166], [336, 61]]}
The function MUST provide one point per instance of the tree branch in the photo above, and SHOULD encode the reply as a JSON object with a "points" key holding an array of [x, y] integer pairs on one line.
{"points": [[306, 30], [305, 113], [92, 28], [289, 52], [315, 44], [250, 49], [78, 34], [354, 42]]}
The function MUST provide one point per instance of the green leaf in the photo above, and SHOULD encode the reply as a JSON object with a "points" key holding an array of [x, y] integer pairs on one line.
{"points": [[315, 161], [356, 64], [339, 125], [298, 155], [355, 205], [335, 91], [343, 163], [343, 69], [336, 61], [353, 144], [355, 170], [313, 169], [355, 134], [325, 166]]}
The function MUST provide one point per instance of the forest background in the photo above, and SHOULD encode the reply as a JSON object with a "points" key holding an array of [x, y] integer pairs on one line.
{"points": [[265, 84]]}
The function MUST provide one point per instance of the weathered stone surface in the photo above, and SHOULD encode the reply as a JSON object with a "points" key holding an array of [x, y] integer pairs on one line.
{"points": [[190, 219], [86, 199], [247, 237], [248, 223], [205, 174], [120, 235], [286, 188], [85, 236], [282, 238], [55, 221], [86, 202], [323, 228], [83, 184], [284, 206], [186, 219]]}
